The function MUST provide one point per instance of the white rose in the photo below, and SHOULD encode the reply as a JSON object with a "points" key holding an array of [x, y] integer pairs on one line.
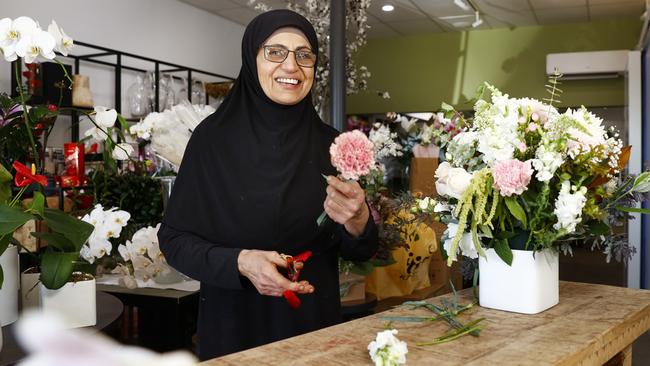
{"points": [[452, 182]]}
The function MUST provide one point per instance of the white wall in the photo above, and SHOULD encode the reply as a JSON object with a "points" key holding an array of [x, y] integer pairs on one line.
{"points": [[166, 30]]}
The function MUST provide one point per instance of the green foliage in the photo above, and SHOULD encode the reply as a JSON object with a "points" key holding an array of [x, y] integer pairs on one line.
{"points": [[502, 249]]}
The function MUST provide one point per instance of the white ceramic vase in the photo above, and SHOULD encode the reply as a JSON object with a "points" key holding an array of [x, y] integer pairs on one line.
{"points": [[529, 286], [10, 286], [75, 303]]}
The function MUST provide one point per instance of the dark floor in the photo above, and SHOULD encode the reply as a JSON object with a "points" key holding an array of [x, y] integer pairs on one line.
{"points": [[641, 351]]}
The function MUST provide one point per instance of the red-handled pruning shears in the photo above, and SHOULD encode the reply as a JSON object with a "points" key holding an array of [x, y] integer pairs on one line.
{"points": [[293, 273]]}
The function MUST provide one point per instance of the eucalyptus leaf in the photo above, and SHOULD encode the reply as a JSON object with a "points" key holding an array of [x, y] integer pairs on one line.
{"points": [[11, 218], [633, 209], [56, 268], [75, 230], [516, 210]]}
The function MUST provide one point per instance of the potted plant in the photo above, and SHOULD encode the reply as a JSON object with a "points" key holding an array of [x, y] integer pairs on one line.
{"points": [[23, 134], [524, 182]]}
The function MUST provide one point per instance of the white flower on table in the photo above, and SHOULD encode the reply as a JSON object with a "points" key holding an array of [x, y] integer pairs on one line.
{"points": [[11, 32], [387, 350]]}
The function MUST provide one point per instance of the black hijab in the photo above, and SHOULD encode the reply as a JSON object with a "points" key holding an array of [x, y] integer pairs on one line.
{"points": [[251, 174]]}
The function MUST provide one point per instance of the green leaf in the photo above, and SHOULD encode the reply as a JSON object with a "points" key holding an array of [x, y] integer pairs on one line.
{"points": [[56, 240], [633, 209], [5, 240], [5, 184], [38, 204], [516, 210], [446, 107], [75, 230], [598, 228], [56, 268], [642, 183], [2, 277], [504, 235], [11, 218], [487, 232], [123, 125], [503, 250]]}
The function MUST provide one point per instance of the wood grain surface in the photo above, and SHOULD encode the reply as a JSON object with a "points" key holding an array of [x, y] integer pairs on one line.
{"points": [[590, 325]]}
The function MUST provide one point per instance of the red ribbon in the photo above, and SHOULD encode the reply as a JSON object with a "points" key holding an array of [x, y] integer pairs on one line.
{"points": [[293, 274]]}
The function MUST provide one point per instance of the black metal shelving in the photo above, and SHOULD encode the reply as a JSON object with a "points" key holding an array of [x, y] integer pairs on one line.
{"points": [[119, 64]]}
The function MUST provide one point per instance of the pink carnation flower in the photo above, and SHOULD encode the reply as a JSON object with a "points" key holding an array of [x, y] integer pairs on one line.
{"points": [[352, 154], [512, 176]]}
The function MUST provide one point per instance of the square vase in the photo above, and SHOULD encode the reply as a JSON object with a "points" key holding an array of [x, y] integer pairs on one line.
{"points": [[75, 303], [529, 286], [10, 286]]}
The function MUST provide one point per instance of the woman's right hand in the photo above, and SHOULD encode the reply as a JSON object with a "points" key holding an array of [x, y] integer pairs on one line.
{"points": [[260, 267]]}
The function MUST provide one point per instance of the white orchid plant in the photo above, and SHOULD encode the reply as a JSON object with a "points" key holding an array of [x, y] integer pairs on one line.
{"points": [[108, 224], [143, 260]]}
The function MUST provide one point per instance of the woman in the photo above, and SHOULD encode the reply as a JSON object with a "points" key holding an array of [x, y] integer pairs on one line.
{"points": [[250, 189]]}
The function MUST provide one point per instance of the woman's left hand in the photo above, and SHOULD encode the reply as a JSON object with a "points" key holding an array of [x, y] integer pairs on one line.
{"points": [[346, 204]]}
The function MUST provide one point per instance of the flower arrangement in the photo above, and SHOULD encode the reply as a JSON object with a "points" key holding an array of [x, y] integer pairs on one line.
{"points": [[387, 350], [522, 175]]}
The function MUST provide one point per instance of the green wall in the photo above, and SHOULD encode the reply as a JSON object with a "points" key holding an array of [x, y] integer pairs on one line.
{"points": [[421, 71]]}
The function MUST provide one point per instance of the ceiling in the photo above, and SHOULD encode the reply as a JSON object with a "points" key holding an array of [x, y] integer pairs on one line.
{"points": [[432, 16]]}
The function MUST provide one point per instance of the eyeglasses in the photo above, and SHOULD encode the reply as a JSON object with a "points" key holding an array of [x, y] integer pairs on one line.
{"points": [[279, 53]]}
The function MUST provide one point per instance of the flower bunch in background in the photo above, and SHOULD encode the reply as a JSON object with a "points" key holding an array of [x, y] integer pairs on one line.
{"points": [[387, 350], [108, 224], [522, 175], [143, 260], [169, 131]]}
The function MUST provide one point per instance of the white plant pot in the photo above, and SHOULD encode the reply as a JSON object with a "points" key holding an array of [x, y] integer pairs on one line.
{"points": [[29, 290], [10, 286], [75, 303], [529, 286]]}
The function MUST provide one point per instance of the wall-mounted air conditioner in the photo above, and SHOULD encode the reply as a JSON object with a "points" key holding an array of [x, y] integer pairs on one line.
{"points": [[588, 65]]}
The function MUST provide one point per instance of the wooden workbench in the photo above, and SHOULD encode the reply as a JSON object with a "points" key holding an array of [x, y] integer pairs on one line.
{"points": [[591, 325]]}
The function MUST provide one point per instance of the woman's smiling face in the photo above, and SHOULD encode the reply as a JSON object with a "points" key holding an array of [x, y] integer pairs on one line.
{"points": [[285, 82]]}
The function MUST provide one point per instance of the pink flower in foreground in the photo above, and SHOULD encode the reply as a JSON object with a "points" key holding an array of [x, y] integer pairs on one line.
{"points": [[352, 154], [512, 176]]}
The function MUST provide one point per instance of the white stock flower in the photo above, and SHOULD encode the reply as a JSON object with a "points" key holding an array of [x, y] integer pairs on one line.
{"points": [[452, 182], [11, 32], [546, 163], [122, 151], [63, 42], [387, 350], [568, 207], [465, 247], [37, 43]]}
